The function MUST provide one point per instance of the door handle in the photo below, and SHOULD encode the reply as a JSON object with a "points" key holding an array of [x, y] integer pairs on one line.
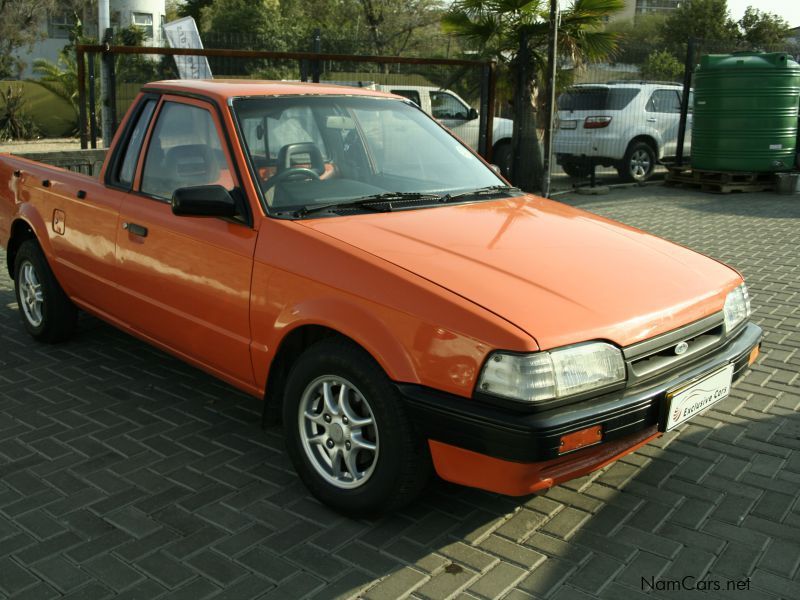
{"points": [[651, 120], [135, 229]]}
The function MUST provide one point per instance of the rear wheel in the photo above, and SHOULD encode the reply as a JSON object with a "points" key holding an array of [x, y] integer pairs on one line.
{"points": [[576, 169], [639, 162], [47, 313], [347, 433]]}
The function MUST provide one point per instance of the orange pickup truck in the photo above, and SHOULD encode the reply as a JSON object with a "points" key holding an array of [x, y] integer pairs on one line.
{"points": [[402, 309]]}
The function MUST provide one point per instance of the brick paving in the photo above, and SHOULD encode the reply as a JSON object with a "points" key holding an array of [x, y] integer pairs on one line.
{"points": [[125, 473]]}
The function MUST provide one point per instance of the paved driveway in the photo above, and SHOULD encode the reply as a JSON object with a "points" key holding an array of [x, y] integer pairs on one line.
{"points": [[123, 471]]}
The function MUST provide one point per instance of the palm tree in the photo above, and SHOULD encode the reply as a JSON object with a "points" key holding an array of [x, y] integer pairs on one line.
{"points": [[515, 34]]}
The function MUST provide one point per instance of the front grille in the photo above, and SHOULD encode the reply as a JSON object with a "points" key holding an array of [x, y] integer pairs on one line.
{"points": [[658, 355]]}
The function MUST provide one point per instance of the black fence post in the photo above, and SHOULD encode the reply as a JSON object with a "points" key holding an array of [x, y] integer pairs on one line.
{"points": [[687, 86], [489, 156], [92, 103], [521, 97], [81, 98], [108, 56], [552, 69], [484, 136], [316, 65]]}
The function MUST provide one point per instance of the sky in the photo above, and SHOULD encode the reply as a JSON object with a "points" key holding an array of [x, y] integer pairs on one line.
{"points": [[788, 9]]}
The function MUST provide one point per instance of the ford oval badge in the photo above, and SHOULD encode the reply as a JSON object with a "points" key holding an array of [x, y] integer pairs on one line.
{"points": [[681, 347]]}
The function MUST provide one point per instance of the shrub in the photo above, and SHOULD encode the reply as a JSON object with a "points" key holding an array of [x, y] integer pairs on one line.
{"points": [[15, 122]]}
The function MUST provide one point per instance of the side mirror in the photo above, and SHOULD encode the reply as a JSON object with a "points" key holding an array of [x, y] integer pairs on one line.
{"points": [[203, 201], [472, 114]]}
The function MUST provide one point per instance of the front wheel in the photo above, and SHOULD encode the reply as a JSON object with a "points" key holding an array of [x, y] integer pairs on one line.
{"points": [[639, 162], [347, 433], [501, 156], [47, 313]]}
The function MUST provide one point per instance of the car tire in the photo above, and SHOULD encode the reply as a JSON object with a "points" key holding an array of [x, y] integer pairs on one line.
{"points": [[47, 314], [639, 162], [576, 169], [357, 451], [501, 156]]}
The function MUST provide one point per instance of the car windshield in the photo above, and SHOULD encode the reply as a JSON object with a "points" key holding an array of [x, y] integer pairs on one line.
{"points": [[309, 152], [596, 98]]}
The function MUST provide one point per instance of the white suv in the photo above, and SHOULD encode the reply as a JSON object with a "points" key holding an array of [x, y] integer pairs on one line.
{"points": [[627, 124]]}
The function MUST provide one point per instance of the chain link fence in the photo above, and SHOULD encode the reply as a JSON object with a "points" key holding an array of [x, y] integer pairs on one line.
{"points": [[623, 121], [617, 121], [456, 90]]}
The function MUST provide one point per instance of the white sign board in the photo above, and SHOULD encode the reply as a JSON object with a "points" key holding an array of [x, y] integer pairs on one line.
{"points": [[183, 34]]}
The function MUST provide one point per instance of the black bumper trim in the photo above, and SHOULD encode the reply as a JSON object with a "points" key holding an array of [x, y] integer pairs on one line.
{"points": [[519, 437]]}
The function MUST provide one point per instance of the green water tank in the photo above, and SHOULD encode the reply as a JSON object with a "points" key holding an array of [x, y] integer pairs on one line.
{"points": [[745, 112]]}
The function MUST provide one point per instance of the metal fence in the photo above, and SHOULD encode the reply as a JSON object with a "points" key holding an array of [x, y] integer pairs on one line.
{"points": [[626, 120], [621, 120], [459, 92]]}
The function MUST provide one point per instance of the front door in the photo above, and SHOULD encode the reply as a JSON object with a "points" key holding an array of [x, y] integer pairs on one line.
{"points": [[451, 112], [187, 279]]}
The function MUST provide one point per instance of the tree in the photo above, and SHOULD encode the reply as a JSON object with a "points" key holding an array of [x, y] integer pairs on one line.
{"points": [[637, 39], [174, 10], [497, 27], [392, 23], [194, 9], [707, 20], [250, 20], [662, 66], [762, 29], [20, 26]]}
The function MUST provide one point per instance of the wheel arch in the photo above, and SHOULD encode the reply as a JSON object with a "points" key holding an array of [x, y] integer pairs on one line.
{"points": [[385, 351], [500, 142], [649, 139], [21, 231]]}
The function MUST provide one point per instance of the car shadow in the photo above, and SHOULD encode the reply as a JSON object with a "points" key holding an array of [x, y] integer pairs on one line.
{"points": [[132, 471]]}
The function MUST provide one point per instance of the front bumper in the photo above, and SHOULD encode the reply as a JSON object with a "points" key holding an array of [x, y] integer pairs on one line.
{"points": [[627, 417]]}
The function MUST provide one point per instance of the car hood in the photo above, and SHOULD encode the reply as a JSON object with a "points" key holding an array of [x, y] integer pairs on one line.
{"points": [[558, 273]]}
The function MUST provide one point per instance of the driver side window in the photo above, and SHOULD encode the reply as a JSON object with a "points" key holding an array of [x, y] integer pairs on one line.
{"points": [[447, 106], [185, 150]]}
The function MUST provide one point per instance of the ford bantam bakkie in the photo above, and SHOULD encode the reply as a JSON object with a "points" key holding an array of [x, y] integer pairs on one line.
{"points": [[392, 300]]}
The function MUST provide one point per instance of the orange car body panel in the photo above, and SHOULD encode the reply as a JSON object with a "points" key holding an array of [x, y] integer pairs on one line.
{"points": [[428, 293], [526, 258], [518, 479]]}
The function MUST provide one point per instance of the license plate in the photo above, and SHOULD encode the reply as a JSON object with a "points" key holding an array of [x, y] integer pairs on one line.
{"points": [[688, 401], [568, 124]]}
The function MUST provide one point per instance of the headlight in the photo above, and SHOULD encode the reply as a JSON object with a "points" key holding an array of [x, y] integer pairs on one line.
{"points": [[737, 307], [554, 374]]}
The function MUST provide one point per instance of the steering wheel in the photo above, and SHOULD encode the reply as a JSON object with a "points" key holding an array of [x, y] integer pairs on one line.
{"points": [[293, 173]]}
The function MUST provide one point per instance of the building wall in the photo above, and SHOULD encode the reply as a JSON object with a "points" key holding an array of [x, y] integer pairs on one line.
{"points": [[634, 8], [626, 14], [122, 14]]}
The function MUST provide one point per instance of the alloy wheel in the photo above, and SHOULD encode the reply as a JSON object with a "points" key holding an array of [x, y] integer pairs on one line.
{"points": [[338, 431], [31, 295]]}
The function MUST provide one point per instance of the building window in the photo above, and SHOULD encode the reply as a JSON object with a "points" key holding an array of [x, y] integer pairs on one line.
{"points": [[144, 21], [59, 24]]}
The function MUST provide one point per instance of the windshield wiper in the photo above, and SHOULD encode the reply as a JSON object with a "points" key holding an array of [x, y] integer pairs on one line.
{"points": [[492, 190], [375, 202]]}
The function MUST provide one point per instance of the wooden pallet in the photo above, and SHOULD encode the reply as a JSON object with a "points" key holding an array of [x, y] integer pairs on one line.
{"points": [[720, 182]]}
